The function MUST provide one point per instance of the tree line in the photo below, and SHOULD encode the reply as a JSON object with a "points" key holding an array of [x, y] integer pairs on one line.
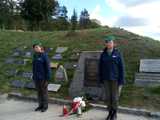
{"points": [[47, 15]]}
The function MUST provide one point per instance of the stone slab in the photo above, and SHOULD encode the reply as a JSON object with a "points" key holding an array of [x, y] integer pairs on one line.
{"points": [[54, 87], [27, 75], [12, 72], [28, 54], [150, 65], [78, 86], [61, 74], [70, 65], [10, 60], [61, 49], [20, 62], [18, 83], [17, 52], [147, 79], [57, 57], [54, 65], [30, 85]]}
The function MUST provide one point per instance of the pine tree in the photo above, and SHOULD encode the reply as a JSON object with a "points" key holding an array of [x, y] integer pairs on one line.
{"points": [[35, 11], [74, 20], [84, 21]]}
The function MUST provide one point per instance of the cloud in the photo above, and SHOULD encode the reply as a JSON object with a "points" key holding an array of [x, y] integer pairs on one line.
{"points": [[96, 14], [115, 5], [139, 16], [126, 21], [135, 2]]}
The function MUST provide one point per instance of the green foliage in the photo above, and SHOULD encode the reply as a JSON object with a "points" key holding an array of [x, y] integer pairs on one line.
{"points": [[35, 11], [45, 15], [74, 20], [84, 21], [6, 13], [62, 24]]}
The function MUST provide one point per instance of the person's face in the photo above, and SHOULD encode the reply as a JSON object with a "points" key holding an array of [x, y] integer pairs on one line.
{"points": [[37, 48], [109, 45]]}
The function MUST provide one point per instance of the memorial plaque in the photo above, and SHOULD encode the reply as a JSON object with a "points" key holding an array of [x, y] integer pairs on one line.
{"points": [[27, 75], [61, 49], [30, 85], [57, 57], [53, 87], [18, 84], [12, 72], [150, 65], [28, 54], [91, 72], [70, 65], [85, 79], [10, 61], [20, 62], [17, 52]]}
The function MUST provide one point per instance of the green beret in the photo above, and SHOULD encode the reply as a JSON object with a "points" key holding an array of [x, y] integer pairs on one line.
{"points": [[109, 38], [36, 42]]}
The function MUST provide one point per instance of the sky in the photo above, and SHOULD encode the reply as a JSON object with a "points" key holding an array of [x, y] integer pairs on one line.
{"points": [[138, 16]]}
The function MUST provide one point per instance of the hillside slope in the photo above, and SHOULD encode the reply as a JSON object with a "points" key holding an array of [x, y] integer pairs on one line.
{"points": [[132, 46]]}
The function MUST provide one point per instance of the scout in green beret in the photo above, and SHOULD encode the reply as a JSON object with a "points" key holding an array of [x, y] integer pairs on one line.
{"points": [[111, 75], [41, 75], [109, 38]]}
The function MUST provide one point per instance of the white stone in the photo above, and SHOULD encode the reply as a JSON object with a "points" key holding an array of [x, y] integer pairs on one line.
{"points": [[53, 87], [61, 74]]}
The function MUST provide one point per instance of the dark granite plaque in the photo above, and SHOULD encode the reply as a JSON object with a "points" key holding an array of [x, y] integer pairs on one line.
{"points": [[10, 61], [30, 85], [17, 83], [27, 75], [28, 54], [70, 65], [91, 72], [12, 72], [57, 57]]}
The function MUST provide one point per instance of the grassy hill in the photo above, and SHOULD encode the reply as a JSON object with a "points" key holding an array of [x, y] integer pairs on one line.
{"points": [[132, 46]]}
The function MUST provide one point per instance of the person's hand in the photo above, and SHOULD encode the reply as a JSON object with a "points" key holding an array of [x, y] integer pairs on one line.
{"points": [[120, 89]]}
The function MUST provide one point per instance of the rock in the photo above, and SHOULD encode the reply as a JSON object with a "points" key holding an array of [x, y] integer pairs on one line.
{"points": [[57, 57], [12, 72], [18, 84], [70, 65], [30, 85], [54, 65], [10, 61], [28, 54], [53, 87], [61, 74], [61, 49], [27, 75]]}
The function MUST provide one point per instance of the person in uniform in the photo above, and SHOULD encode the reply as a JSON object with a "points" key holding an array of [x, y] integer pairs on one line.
{"points": [[41, 76], [111, 74]]}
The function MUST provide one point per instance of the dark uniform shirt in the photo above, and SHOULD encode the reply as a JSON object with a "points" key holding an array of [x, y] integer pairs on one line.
{"points": [[111, 67], [41, 67]]}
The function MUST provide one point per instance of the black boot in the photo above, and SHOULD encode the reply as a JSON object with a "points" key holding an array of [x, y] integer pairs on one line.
{"points": [[38, 108], [109, 114], [44, 109], [114, 115]]}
